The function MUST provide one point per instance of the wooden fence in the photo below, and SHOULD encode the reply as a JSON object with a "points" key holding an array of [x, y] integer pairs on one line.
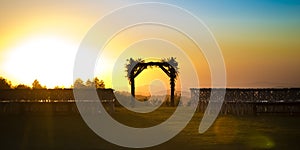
{"points": [[251, 101], [57, 101]]}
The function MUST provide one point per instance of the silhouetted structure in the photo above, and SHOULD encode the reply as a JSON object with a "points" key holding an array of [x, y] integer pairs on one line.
{"points": [[51, 94], [251, 95], [169, 66], [55, 100], [251, 101]]}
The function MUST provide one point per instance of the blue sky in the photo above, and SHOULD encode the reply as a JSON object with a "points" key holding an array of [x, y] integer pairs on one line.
{"points": [[254, 35]]}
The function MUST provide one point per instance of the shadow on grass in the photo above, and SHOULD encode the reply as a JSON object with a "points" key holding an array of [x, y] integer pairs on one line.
{"points": [[48, 131]]}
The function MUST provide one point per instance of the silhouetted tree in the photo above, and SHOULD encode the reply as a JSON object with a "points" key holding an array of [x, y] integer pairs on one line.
{"points": [[36, 85], [79, 83], [99, 83], [89, 84], [22, 86], [4, 84]]}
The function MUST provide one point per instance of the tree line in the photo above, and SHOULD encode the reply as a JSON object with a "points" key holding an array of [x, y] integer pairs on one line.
{"points": [[79, 83]]}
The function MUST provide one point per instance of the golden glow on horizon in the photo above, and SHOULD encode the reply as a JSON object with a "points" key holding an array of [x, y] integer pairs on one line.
{"points": [[257, 48], [156, 42], [48, 58]]}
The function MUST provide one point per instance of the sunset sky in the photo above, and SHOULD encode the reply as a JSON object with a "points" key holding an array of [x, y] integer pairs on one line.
{"points": [[259, 39]]}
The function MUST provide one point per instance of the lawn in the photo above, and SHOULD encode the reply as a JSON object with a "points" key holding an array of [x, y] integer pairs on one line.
{"points": [[49, 131]]}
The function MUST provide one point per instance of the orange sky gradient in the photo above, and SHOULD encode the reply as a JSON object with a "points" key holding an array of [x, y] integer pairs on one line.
{"points": [[39, 40]]}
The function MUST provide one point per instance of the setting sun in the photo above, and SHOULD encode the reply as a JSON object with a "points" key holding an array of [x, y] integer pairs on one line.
{"points": [[39, 40], [46, 58], [153, 74]]}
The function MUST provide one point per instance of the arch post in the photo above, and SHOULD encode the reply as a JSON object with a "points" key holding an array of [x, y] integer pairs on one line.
{"points": [[132, 103], [172, 85]]}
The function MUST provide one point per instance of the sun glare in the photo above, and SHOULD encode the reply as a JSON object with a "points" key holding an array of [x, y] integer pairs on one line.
{"points": [[49, 59]]}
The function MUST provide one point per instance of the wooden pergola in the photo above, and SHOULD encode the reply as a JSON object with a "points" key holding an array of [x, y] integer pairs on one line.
{"points": [[165, 66]]}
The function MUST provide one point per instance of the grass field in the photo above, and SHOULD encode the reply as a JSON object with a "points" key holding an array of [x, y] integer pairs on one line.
{"points": [[228, 132]]}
